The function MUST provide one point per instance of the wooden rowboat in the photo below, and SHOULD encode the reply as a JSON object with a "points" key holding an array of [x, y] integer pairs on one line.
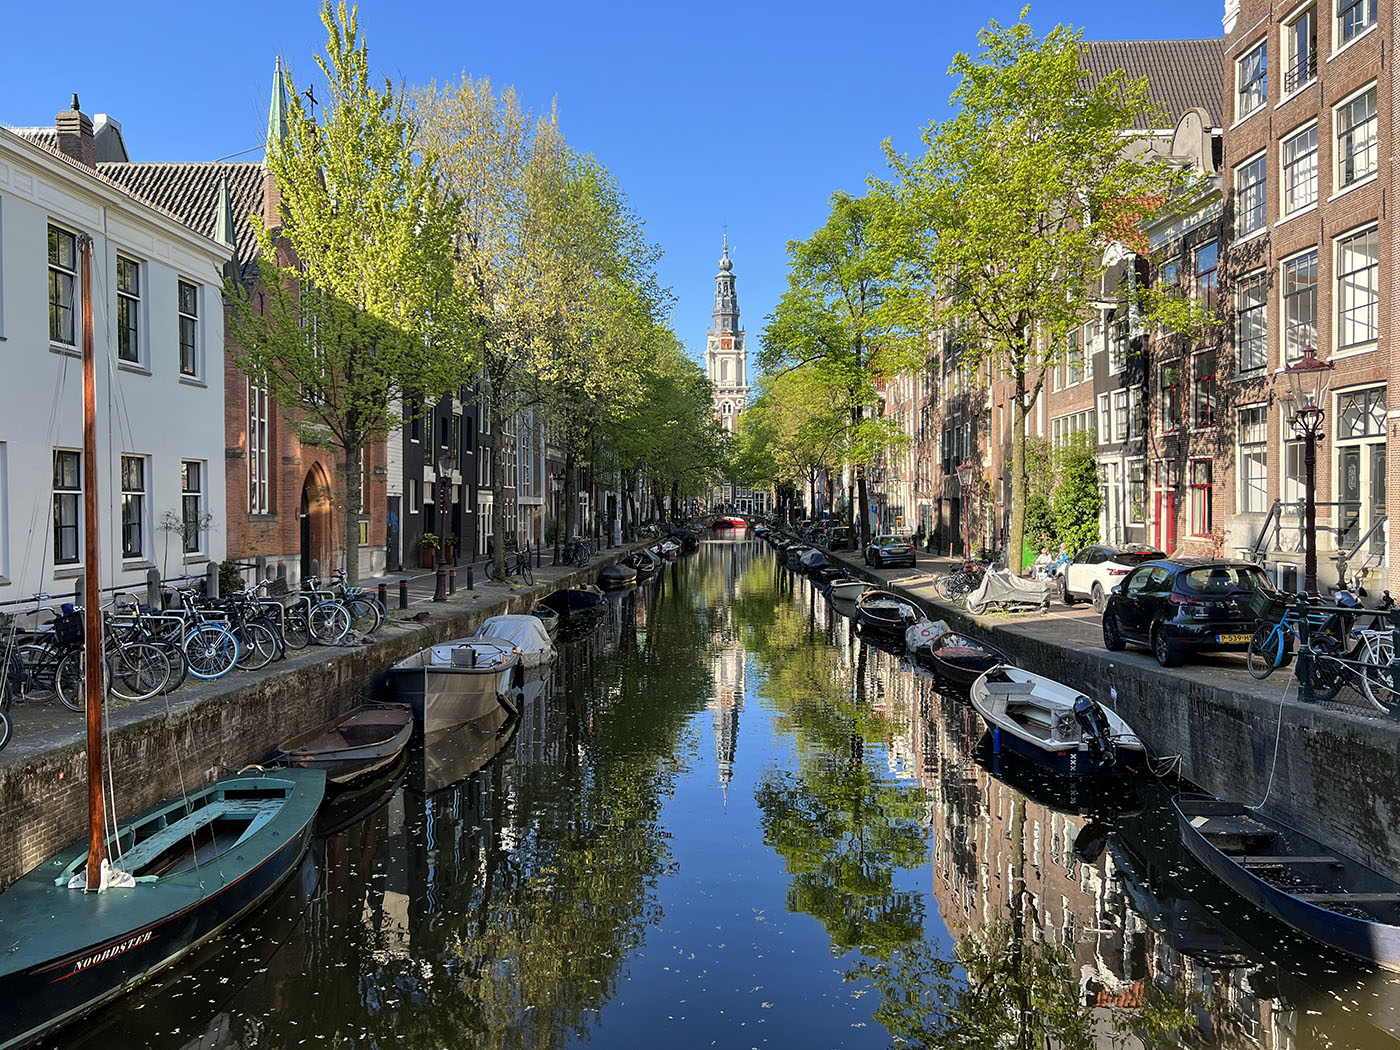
{"points": [[354, 745], [1295, 878]]}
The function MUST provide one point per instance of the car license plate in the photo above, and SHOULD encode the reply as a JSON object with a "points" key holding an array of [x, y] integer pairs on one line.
{"points": [[1232, 639]]}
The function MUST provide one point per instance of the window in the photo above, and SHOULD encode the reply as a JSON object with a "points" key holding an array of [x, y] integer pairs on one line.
{"points": [[1074, 359], [189, 328], [1207, 264], [258, 479], [128, 309], [1252, 75], [1354, 17], [1203, 390], [1299, 304], [1171, 397], [414, 504], [429, 450], [1300, 169], [724, 372], [1300, 44], [63, 276], [1106, 416], [1170, 277], [1356, 138], [1251, 337], [1120, 415], [1137, 414], [1118, 345], [192, 504], [67, 500], [1358, 293], [1249, 195], [1254, 459], [133, 506], [1200, 497], [1360, 451], [1137, 491]]}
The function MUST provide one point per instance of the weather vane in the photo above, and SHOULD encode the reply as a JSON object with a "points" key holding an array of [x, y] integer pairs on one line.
{"points": [[311, 98]]}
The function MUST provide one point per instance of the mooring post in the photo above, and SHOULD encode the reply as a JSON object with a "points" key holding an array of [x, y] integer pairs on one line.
{"points": [[153, 589], [471, 579], [403, 594], [451, 581], [1305, 654], [383, 595]]}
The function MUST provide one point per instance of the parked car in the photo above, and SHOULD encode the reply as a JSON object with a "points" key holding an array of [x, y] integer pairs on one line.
{"points": [[841, 538], [1179, 605], [1098, 568], [891, 550]]}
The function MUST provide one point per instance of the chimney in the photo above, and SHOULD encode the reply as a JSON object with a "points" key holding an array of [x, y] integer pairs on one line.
{"points": [[75, 135]]}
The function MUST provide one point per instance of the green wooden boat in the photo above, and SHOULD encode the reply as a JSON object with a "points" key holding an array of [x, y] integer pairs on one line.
{"points": [[199, 864]]}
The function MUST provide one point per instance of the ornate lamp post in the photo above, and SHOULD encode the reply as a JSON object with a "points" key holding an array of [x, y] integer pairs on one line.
{"points": [[556, 486], [1307, 394], [965, 473], [446, 464]]}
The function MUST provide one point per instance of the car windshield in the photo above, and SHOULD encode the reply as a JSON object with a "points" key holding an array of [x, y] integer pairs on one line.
{"points": [[1134, 557], [1222, 579], [893, 540]]}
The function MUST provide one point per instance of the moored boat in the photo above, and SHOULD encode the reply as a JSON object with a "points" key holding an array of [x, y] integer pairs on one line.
{"points": [[642, 563], [616, 576], [731, 521], [580, 601], [453, 683], [548, 617], [1050, 723], [70, 951], [883, 611], [1295, 878], [848, 590], [527, 633], [956, 659], [353, 745]]}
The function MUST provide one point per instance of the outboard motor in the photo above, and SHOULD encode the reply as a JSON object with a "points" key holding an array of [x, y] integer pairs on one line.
{"points": [[1091, 719]]}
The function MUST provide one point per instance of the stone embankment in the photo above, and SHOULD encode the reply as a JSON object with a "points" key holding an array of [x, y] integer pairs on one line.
{"points": [[163, 746], [1331, 770]]}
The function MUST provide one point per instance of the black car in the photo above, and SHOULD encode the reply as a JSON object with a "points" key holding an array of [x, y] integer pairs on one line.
{"points": [[1176, 605], [841, 538]]}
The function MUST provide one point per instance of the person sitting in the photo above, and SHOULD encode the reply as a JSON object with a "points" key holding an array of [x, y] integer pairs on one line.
{"points": [[1041, 569]]}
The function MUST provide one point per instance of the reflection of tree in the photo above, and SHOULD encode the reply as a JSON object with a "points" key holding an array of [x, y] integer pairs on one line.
{"points": [[1001, 990]]}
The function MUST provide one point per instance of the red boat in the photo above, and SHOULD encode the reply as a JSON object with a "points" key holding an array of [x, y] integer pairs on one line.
{"points": [[731, 522]]}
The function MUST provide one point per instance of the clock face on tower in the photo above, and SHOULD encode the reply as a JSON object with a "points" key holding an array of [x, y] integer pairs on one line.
{"points": [[726, 343]]}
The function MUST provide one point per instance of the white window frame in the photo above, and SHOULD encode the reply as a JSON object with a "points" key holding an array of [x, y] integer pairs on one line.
{"points": [[1346, 325], [129, 301], [1121, 415], [67, 278], [1363, 26], [75, 494], [1304, 74], [1366, 441], [1287, 327], [1370, 149], [1255, 279], [139, 496], [1140, 518], [1262, 80], [193, 498], [1258, 204], [1245, 450], [259, 432], [183, 317], [1286, 206]]}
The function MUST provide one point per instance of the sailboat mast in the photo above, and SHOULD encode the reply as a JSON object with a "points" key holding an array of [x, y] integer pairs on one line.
{"points": [[92, 600]]}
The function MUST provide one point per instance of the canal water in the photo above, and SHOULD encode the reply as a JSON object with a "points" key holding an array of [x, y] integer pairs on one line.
{"points": [[723, 820]]}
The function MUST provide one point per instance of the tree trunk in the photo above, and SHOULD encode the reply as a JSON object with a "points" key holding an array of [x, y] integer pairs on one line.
{"points": [[351, 500], [675, 499], [498, 493], [863, 498], [1015, 541], [570, 496]]}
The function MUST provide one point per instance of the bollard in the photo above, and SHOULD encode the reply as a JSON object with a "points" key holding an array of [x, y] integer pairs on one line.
{"points": [[211, 580], [79, 592], [471, 579], [383, 595], [451, 581], [403, 594], [153, 589]]}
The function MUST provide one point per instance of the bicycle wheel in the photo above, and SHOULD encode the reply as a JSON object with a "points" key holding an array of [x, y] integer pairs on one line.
{"points": [[329, 622], [137, 671], [257, 645], [211, 650], [40, 663], [526, 573], [364, 615], [1265, 650], [5, 728], [295, 633], [179, 666], [70, 681], [944, 588], [1377, 680]]}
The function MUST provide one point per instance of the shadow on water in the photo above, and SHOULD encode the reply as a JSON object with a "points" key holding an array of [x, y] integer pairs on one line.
{"points": [[516, 883]]}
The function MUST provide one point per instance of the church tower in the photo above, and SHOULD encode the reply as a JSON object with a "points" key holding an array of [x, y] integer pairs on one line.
{"points": [[726, 359]]}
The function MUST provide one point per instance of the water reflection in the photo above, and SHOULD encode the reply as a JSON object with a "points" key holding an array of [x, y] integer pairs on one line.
{"points": [[617, 866]]}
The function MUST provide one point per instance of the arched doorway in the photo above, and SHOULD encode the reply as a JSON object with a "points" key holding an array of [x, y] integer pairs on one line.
{"points": [[316, 521]]}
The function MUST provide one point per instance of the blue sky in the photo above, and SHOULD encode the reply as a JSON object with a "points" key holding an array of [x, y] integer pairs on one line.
{"points": [[745, 113]]}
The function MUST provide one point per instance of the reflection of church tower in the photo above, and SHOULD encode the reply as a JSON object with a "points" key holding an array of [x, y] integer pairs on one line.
{"points": [[726, 359], [729, 667]]}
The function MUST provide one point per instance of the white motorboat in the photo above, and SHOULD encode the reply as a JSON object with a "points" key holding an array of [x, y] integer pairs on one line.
{"points": [[527, 633], [456, 682], [1050, 723], [848, 590]]}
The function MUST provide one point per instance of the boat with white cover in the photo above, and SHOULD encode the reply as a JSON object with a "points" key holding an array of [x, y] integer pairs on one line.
{"points": [[526, 632], [848, 590], [1050, 723], [457, 681]]}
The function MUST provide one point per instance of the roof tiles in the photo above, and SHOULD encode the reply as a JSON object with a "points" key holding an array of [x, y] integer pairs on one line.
{"points": [[1181, 74]]}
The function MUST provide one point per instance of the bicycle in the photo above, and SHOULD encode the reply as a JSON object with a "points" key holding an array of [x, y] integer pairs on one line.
{"points": [[960, 581], [577, 552], [318, 616], [366, 612], [518, 566], [1271, 645]]}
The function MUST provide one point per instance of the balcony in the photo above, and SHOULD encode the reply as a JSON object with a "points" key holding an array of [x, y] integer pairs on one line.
{"points": [[1302, 71]]}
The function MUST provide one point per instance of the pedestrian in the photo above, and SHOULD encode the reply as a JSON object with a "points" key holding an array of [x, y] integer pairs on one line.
{"points": [[1041, 569]]}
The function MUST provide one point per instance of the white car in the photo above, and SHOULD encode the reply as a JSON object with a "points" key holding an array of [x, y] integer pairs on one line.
{"points": [[1097, 569]]}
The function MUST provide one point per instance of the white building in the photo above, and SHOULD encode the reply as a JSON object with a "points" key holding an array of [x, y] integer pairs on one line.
{"points": [[158, 327]]}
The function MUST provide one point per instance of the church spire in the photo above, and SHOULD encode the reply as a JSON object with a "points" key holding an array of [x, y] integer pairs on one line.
{"points": [[726, 312], [277, 111]]}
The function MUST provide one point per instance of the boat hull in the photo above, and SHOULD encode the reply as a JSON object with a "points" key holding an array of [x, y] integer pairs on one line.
{"points": [[1376, 942], [393, 725], [44, 996], [443, 698]]}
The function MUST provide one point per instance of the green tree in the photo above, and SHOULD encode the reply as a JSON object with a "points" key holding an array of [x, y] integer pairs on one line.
{"points": [[835, 320], [1006, 213], [356, 301], [1077, 498]]}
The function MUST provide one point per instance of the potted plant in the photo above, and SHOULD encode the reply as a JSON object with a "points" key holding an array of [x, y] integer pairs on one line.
{"points": [[449, 546], [429, 545]]}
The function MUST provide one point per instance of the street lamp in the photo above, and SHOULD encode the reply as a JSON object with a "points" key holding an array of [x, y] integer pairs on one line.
{"points": [[965, 473], [1307, 394], [556, 486], [446, 464]]}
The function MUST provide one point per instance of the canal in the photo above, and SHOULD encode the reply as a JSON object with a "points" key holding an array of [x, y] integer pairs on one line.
{"points": [[723, 820]]}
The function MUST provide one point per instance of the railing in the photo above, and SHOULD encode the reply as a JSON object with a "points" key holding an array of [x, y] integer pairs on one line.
{"points": [[1300, 72]]}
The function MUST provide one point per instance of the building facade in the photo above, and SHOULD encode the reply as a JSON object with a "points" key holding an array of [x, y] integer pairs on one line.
{"points": [[69, 235]]}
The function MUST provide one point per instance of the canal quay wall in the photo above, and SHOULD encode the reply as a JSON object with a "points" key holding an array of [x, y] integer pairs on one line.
{"points": [[1328, 770], [161, 747]]}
